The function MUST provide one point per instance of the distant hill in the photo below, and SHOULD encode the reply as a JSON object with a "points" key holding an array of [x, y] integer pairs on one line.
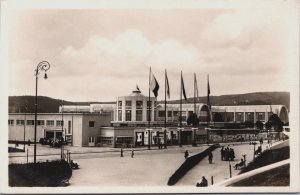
{"points": [[257, 98], [50, 105], [45, 104]]}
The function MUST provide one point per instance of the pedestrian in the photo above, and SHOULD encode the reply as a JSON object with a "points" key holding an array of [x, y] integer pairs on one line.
{"points": [[186, 154], [121, 152], [210, 157], [29, 142], [132, 153], [261, 141], [203, 183], [222, 153]]}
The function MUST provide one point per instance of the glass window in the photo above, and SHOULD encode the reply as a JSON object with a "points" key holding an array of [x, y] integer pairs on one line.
{"points": [[120, 103], [50, 122], [10, 122], [59, 123], [139, 104], [148, 115], [161, 113], [40, 122], [128, 115], [120, 115], [139, 115], [169, 113], [128, 103], [176, 113], [20, 122], [30, 122], [91, 123]]}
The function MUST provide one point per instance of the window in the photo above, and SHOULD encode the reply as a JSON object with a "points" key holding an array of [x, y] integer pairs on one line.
{"points": [[175, 113], [169, 113], [120, 115], [139, 115], [161, 113], [139, 104], [30, 122], [128, 104], [91, 123], [40, 122], [50, 122], [10, 122], [20, 122], [59, 123], [128, 115], [120, 104], [69, 127]]}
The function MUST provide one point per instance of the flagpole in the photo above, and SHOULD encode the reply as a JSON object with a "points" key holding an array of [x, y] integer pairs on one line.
{"points": [[180, 110], [165, 131], [149, 112], [208, 104], [195, 93]]}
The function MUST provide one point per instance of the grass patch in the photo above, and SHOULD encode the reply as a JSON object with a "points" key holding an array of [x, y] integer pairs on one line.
{"points": [[268, 157], [42, 174], [279, 176]]}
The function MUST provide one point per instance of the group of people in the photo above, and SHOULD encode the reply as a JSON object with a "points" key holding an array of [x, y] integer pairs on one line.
{"points": [[227, 154]]}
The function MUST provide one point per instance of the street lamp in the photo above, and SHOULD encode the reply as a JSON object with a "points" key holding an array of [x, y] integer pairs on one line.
{"points": [[42, 66]]}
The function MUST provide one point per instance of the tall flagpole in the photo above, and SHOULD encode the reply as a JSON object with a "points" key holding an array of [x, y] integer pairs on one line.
{"points": [[149, 112], [165, 131], [180, 110], [208, 104], [195, 93]]}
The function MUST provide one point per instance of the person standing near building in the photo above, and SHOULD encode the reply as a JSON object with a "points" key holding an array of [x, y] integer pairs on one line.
{"points": [[121, 152], [210, 157], [132, 153]]}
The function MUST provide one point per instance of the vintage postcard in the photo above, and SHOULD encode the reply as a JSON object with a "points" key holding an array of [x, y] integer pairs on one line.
{"points": [[149, 96]]}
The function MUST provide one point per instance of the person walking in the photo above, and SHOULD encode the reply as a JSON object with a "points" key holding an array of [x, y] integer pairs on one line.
{"points": [[186, 154], [132, 153], [222, 153], [210, 157]]}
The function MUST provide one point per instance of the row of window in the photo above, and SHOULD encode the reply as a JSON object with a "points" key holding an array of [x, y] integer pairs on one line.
{"points": [[59, 123], [139, 104]]}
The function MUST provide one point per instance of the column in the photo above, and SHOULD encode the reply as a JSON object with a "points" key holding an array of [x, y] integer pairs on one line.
{"points": [[266, 116], [234, 116], [123, 110], [254, 116], [244, 116]]}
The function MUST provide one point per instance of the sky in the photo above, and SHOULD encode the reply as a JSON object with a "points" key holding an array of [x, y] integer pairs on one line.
{"points": [[101, 53]]}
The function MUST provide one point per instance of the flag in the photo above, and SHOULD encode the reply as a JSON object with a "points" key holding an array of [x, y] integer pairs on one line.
{"points": [[183, 90], [167, 86], [154, 86], [196, 86], [208, 92], [137, 87]]}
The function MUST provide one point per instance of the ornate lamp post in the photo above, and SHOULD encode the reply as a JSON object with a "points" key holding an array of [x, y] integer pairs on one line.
{"points": [[42, 66]]}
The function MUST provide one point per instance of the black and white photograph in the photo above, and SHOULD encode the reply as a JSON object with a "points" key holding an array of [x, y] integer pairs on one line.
{"points": [[144, 96]]}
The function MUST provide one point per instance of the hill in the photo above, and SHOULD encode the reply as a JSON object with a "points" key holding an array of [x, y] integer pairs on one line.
{"points": [[257, 98], [50, 105], [45, 104]]}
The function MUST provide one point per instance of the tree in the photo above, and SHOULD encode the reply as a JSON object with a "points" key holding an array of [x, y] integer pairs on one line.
{"points": [[275, 122], [193, 120], [217, 117], [259, 125]]}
